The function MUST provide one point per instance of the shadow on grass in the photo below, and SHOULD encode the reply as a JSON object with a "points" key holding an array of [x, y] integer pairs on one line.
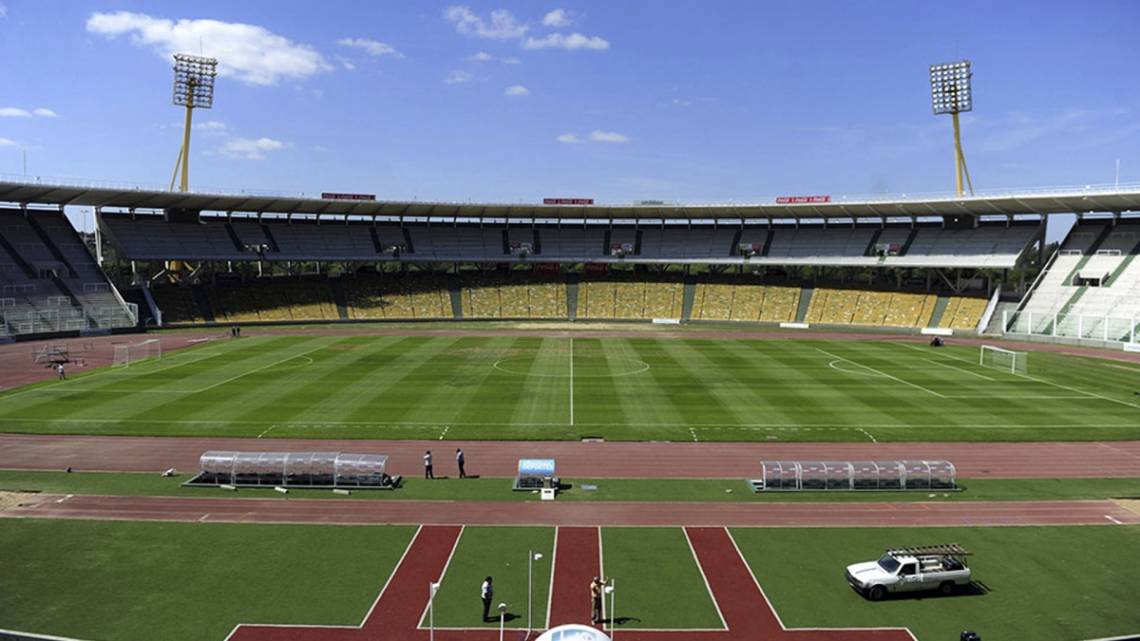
{"points": [[621, 620], [974, 588]]}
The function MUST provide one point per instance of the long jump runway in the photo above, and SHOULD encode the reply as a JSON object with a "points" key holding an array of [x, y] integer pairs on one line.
{"points": [[586, 460], [747, 613], [239, 510]]}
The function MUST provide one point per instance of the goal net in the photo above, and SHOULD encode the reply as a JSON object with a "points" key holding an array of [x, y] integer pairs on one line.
{"points": [[1004, 359], [127, 354]]}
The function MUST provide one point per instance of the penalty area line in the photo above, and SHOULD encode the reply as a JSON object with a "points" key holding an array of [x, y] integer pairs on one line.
{"points": [[881, 373]]}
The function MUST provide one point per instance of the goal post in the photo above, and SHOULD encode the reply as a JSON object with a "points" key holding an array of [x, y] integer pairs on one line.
{"points": [[1008, 360], [127, 354]]}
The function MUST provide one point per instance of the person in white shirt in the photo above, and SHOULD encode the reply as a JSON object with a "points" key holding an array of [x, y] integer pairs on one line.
{"points": [[460, 460], [62, 372], [427, 466], [487, 593]]}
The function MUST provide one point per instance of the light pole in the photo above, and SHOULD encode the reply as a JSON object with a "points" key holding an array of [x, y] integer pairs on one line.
{"points": [[950, 93], [433, 587], [613, 620], [502, 618], [193, 89], [531, 557]]}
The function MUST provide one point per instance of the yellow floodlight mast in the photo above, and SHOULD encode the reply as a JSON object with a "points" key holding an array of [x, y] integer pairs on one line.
{"points": [[950, 93], [193, 89]]}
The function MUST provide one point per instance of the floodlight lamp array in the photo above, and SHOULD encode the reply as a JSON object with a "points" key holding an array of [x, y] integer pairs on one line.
{"points": [[950, 87], [194, 81]]}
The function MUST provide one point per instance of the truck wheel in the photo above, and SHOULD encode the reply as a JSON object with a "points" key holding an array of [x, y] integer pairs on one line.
{"points": [[946, 588], [877, 593]]}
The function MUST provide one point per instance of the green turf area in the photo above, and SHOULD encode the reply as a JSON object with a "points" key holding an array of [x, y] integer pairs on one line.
{"points": [[526, 387], [127, 581], [497, 489], [499, 552], [1046, 584], [657, 582]]}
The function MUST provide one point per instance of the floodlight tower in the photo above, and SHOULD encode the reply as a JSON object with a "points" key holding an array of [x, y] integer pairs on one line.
{"points": [[193, 89], [950, 94]]}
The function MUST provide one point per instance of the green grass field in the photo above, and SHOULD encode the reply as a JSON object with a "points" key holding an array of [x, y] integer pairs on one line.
{"points": [[513, 387], [1044, 583], [498, 489], [124, 581], [130, 581]]}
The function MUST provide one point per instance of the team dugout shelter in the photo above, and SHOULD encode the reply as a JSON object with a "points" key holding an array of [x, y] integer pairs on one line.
{"points": [[855, 475], [318, 470]]}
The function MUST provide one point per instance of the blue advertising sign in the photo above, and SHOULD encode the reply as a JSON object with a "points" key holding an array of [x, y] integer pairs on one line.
{"points": [[536, 467]]}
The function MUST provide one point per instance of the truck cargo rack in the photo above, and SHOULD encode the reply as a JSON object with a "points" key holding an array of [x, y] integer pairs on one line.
{"points": [[949, 549]]}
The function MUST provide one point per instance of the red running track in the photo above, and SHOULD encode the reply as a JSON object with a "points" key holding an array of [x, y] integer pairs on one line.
{"points": [[747, 613], [1089, 459], [238, 510]]}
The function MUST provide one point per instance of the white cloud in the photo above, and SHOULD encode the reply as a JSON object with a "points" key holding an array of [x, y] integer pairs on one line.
{"points": [[371, 47], [517, 90], [14, 112], [570, 139], [501, 26], [250, 53], [458, 77], [563, 41], [483, 56], [44, 112], [251, 148], [7, 142], [598, 135], [346, 63], [558, 18], [212, 126]]}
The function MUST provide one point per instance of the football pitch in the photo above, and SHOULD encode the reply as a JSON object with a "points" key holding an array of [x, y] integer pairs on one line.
{"points": [[557, 387]]}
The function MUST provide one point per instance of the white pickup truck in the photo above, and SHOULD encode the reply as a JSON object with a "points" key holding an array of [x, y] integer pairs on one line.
{"points": [[934, 567]]}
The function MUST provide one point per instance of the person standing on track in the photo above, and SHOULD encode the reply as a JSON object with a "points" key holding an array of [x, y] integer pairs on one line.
{"points": [[596, 590], [459, 460], [427, 466], [487, 593]]}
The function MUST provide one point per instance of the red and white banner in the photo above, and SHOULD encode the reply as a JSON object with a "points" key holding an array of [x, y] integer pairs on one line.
{"points": [[568, 201], [801, 200], [329, 195]]}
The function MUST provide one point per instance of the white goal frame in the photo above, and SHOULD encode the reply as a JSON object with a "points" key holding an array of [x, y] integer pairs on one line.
{"points": [[128, 353], [1004, 359]]}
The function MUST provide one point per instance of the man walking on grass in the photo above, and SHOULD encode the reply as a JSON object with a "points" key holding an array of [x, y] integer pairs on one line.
{"points": [[62, 373]]}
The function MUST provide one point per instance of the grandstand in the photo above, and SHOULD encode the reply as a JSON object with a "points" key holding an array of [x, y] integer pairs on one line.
{"points": [[213, 258], [1091, 287]]}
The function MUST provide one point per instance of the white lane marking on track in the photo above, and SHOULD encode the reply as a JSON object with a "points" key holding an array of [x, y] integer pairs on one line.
{"points": [[1113, 519], [64, 498]]}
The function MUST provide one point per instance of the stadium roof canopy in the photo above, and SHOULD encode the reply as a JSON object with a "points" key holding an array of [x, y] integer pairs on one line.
{"points": [[1010, 203]]}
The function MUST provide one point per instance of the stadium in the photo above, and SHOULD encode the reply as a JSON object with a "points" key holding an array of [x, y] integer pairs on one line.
{"points": [[251, 415]]}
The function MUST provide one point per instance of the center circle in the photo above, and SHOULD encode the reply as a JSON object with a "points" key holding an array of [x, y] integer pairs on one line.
{"points": [[583, 367]]}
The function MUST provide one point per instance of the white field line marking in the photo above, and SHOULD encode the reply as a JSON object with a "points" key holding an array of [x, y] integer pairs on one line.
{"points": [[1080, 391], [881, 373], [708, 588], [266, 430], [367, 615], [694, 433], [602, 574], [571, 380], [1113, 519], [444, 432], [256, 369], [442, 574], [772, 608], [1021, 396], [869, 435], [550, 590], [960, 369], [856, 372]]}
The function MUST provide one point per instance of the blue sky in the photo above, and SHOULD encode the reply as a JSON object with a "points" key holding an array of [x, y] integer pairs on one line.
{"points": [[513, 101]]}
